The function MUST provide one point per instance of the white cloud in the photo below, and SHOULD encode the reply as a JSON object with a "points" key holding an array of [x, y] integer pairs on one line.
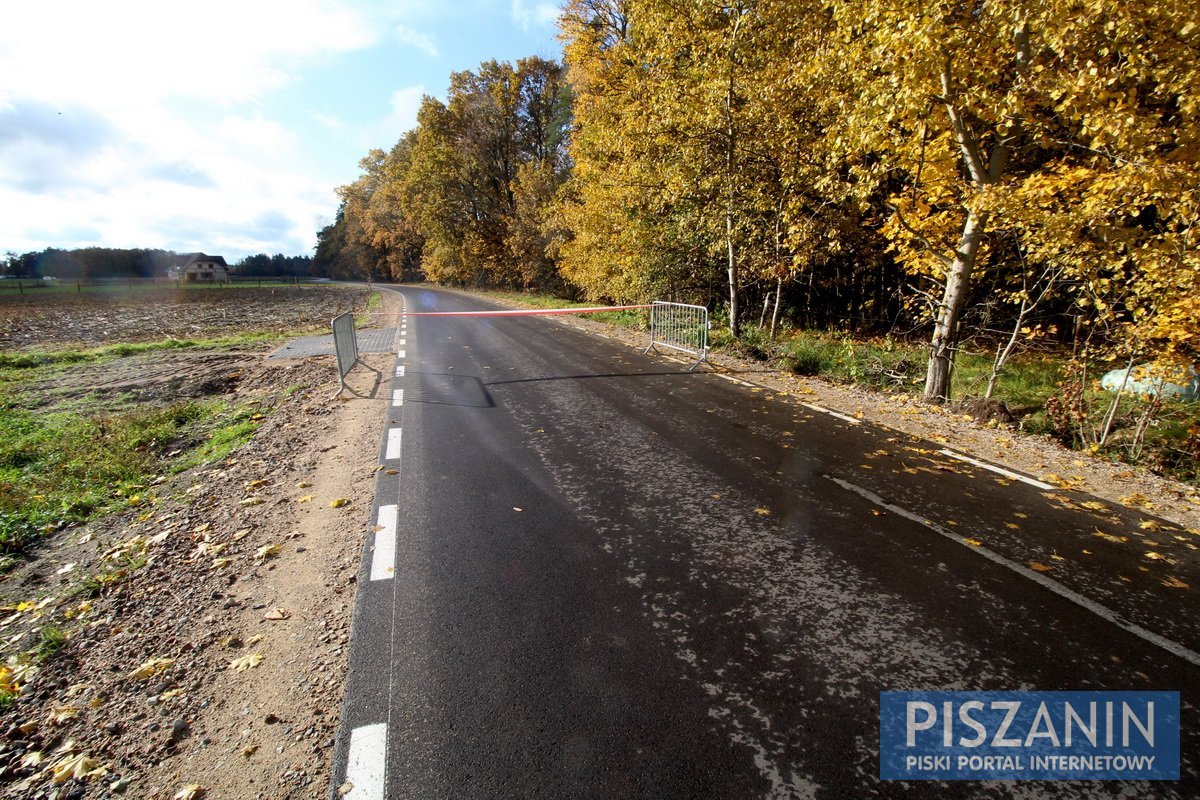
{"points": [[529, 15], [126, 52], [422, 41], [405, 104]]}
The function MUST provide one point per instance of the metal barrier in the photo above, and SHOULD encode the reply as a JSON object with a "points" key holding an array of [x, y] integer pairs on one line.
{"points": [[680, 327], [345, 344]]}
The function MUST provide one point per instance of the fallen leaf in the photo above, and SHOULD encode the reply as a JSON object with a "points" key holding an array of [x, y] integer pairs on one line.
{"points": [[763, 512], [973, 542], [339, 503], [221, 563], [1037, 566], [303, 485], [251, 501], [61, 714], [1108, 537], [1174, 583], [255, 484], [79, 766], [193, 791], [155, 666], [1094, 506], [277, 614], [267, 551], [246, 662], [255, 639], [1150, 525], [34, 758], [242, 534], [308, 498], [518, 509], [249, 750]]}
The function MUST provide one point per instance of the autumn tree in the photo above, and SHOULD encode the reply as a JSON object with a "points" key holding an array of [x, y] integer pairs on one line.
{"points": [[1066, 126]]}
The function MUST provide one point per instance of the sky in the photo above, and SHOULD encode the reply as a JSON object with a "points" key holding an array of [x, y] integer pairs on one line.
{"points": [[221, 126]]}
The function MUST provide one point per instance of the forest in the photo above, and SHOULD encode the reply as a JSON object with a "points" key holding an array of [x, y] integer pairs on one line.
{"points": [[987, 174]]}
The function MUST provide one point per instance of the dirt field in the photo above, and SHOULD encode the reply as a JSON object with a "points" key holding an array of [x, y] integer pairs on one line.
{"points": [[206, 628], [96, 317]]}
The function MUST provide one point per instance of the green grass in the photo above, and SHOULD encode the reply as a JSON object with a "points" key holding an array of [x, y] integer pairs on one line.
{"points": [[65, 467]]}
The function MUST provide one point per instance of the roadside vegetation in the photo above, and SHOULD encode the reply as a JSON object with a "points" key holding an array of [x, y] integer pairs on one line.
{"points": [[59, 468]]}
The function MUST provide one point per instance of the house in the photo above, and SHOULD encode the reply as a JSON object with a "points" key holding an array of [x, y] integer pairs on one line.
{"points": [[199, 268]]}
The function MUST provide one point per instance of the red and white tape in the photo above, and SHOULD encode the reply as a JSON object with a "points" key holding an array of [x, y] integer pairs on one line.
{"points": [[521, 312]]}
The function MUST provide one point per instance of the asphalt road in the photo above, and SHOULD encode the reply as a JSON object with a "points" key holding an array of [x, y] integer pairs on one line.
{"points": [[616, 578]]}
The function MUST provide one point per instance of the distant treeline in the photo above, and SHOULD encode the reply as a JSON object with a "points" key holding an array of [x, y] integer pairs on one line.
{"points": [[99, 263]]}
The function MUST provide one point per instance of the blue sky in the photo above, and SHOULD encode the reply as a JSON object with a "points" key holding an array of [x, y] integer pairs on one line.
{"points": [[222, 126]]}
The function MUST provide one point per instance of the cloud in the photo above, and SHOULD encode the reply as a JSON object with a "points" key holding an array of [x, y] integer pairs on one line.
{"points": [[46, 148], [122, 53], [530, 15], [422, 41], [405, 103]]}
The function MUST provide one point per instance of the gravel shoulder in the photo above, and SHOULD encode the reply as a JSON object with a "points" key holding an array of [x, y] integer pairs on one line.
{"points": [[207, 628]]}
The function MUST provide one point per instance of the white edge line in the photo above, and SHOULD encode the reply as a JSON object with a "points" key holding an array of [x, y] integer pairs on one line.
{"points": [[823, 410], [393, 445], [383, 555], [732, 379], [366, 764], [1105, 613], [1000, 470], [397, 397]]}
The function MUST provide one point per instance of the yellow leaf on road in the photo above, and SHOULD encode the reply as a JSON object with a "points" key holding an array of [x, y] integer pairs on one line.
{"points": [[193, 791], [268, 551], [246, 662], [1037, 566], [340, 502], [308, 498], [151, 668], [974, 542]]}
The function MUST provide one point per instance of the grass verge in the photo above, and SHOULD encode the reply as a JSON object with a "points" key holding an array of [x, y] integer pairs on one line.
{"points": [[62, 468]]}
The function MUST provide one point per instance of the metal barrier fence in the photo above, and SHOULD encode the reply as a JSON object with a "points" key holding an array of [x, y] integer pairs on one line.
{"points": [[345, 344], [679, 327]]}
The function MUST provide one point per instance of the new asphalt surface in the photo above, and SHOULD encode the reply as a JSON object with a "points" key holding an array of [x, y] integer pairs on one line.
{"points": [[610, 577]]}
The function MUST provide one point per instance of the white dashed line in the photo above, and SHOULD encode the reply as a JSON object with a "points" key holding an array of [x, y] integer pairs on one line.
{"points": [[400, 371], [393, 445], [402, 342], [400, 354], [397, 398], [367, 762], [383, 554], [1000, 470], [1103, 612], [823, 410]]}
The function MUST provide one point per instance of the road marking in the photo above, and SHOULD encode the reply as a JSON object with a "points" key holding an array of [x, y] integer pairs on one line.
{"points": [[1000, 470], [383, 554], [832, 413], [399, 370], [1085, 603], [732, 379], [398, 397], [402, 342], [393, 445], [367, 762], [400, 354]]}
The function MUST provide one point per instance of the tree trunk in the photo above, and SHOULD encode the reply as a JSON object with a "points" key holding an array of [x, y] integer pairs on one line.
{"points": [[945, 332]]}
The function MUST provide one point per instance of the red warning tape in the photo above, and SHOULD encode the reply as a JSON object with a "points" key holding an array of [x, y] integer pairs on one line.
{"points": [[522, 312]]}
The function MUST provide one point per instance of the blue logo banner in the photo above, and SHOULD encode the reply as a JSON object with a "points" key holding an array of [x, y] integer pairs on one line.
{"points": [[1029, 736]]}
